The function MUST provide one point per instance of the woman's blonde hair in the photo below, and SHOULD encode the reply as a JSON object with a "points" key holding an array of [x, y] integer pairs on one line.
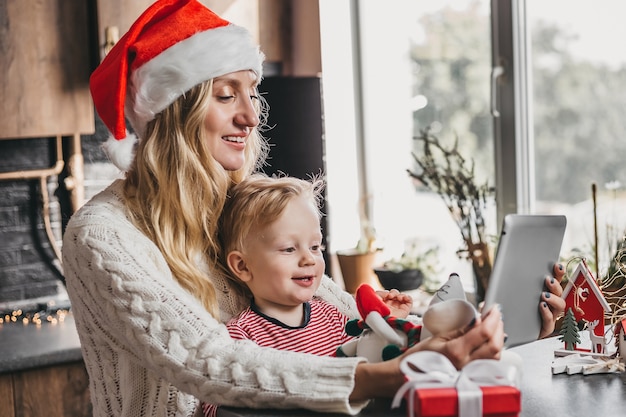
{"points": [[257, 202], [176, 190]]}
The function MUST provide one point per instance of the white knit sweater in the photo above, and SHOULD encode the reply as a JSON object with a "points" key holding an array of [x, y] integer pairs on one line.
{"points": [[151, 349]]}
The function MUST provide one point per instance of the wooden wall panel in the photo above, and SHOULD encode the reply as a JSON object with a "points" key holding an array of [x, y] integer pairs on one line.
{"points": [[57, 391], [44, 68], [7, 406]]}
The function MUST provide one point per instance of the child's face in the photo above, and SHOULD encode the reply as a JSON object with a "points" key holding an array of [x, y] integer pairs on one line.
{"points": [[284, 260]]}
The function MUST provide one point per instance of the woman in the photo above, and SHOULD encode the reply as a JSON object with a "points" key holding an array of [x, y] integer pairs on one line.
{"points": [[140, 258]]}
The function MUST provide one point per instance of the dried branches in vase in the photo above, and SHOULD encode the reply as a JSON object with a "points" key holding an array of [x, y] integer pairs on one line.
{"points": [[446, 172], [613, 285]]}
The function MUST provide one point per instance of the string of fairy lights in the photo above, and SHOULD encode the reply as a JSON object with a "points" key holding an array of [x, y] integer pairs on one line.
{"points": [[38, 318]]}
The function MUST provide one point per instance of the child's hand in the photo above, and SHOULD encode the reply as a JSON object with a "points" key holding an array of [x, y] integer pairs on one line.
{"points": [[399, 303]]}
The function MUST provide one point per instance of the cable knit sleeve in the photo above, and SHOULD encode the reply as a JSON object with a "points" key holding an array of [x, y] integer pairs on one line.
{"points": [[333, 294], [149, 346]]}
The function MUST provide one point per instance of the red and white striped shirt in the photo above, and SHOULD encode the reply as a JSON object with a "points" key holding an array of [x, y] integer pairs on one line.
{"points": [[321, 333]]}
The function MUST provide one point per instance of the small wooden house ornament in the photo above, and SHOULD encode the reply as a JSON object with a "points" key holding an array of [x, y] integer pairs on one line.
{"points": [[583, 295]]}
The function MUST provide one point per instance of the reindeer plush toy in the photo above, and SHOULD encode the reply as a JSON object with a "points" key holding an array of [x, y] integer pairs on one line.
{"points": [[380, 336]]}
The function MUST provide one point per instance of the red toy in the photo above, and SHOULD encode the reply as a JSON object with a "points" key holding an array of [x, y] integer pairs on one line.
{"points": [[381, 335]]}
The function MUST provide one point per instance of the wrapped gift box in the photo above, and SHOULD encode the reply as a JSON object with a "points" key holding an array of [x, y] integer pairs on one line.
{"points": [[498, 401]]}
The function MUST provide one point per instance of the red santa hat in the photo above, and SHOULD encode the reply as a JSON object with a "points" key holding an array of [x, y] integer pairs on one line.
{"points": [[173, 46]]}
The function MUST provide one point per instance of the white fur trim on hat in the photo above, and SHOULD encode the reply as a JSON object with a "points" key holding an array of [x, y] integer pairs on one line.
{"points": [[121, 152], [203, 56]]}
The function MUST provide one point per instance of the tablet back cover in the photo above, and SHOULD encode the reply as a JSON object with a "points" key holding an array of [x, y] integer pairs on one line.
{"points": [[528, 248]]}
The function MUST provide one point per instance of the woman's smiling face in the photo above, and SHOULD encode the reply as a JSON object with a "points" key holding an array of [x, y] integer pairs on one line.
{"points": [[233, 113]]}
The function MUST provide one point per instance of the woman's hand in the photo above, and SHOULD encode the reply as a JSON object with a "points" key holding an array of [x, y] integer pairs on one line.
{"points": [[399, 303], [483, 338], [552, 305]]}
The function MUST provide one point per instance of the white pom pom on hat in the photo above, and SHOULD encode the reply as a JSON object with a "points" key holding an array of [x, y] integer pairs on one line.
{"points": [[173, 46], [121, 151]]}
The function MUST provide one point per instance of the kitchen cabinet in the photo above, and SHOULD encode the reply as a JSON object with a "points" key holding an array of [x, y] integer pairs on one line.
{"points": [[7, 407], [45, 64], [53, 391]]}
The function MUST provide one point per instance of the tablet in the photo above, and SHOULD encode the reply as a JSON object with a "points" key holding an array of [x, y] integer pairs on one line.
{"points": [[528, 248]]}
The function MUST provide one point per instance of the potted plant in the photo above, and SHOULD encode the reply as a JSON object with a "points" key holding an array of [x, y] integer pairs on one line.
{"points": [[357, 263], [410, 270]]}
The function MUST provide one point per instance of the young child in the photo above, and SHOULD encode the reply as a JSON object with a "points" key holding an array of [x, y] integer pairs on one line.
{"points": [[272, 246]]}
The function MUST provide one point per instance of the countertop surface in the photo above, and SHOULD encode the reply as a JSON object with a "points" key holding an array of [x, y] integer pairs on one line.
{"points": [[543, 394], [24, 347], [28, 346]]}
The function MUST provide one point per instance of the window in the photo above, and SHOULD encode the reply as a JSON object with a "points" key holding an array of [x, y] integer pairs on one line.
{"points": [[578, 72], [392, 69], [565, 89]]}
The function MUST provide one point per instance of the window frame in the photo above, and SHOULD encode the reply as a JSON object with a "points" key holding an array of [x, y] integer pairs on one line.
{"points": [[513, 137]]}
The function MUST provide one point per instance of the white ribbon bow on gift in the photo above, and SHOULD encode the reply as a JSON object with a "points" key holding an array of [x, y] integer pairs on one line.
{"points": [[433, 370]]}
